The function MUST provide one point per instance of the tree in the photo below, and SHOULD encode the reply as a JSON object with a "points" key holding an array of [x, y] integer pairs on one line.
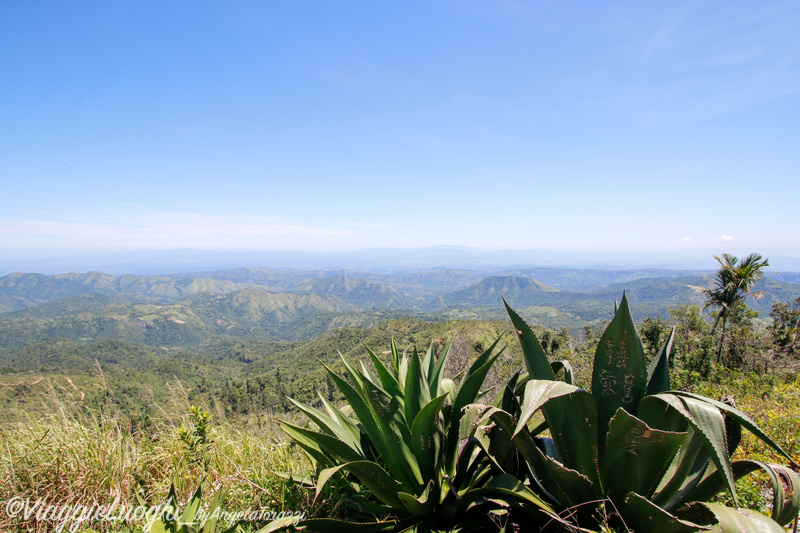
{"points": [[732, 283], [785, 325]]}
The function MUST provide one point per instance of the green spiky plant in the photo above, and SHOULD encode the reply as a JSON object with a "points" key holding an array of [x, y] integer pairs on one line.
{"points": [[632, 452], [195, 518], [191, 519], [404, 450]]}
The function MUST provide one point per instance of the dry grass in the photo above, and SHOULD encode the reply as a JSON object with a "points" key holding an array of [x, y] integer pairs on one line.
{"points": [[71, 455]]}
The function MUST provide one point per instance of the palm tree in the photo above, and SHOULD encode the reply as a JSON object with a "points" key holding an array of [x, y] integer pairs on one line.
{"points": [[731, 285]]}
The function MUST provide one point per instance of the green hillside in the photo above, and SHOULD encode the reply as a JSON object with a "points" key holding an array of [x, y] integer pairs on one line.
{"points": [[136, 378], [191, 311], [361, 292], [247, 314], [573, 279], [269, 279], [433, 282], [550, 307], [519, 291], [19, 291]]}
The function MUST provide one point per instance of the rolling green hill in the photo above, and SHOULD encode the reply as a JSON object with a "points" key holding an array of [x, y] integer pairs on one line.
{"points": [[247, 314], [364, 289], [189, 311], [519, 291], [550, 307], [572, 279], [20, 291], [361, 292], [432, 282]]}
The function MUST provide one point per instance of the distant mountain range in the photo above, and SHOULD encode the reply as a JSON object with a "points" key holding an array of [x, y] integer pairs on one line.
{"points": [[382, 260], [193, 310]]}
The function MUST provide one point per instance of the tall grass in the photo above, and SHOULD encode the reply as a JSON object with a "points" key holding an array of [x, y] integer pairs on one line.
{"points": [[67, 454]]}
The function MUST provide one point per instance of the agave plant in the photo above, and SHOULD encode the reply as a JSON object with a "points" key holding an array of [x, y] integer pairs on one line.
{"points": [[198, 518], [631, 451], [404, 449], [192, 519]]}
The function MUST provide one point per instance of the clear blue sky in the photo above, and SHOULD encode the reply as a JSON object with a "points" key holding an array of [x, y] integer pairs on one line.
{"points": [[309, 125]]}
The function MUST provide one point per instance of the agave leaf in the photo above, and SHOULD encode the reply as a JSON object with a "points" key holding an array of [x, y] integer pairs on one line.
{"points": [[305, 481], [501, 448], [376, 422], [417, 390], [403, 370], [571, 487], [281, 524], [562, 485], [619, 375], [422, 505], [508, 485], [369, 378], [328, 444], [364, 501], [331, 525], [709, 426], [330, 426], [658, 370], [427, 435], [156, 526], [660, 414], [396, 433], [395, 358], [685, 472], [355, 375], [190, 511], [471, 467], [730, 520], [637, 456], [537, 393], [504, 423], [388, 381], [534, 458], [564, 365], [535, 359], [572, 420], [343, 421], [210, 525], [742, 419], [448, 387], [640, 514], [486, 442], [785, 487], [468, 390], [428, 361], [470, 419], [505, 398], [691, 461], [372, 476], [733, 429], [786, 494], [436, 369]]}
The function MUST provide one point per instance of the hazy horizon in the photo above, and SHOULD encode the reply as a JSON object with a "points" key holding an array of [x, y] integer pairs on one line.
{"points": [[384, 259]]}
